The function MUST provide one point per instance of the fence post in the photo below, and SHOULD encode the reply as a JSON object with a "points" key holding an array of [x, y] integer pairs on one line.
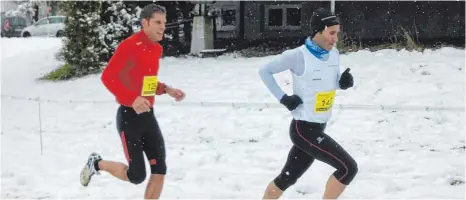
{"points": [[40, 124]]}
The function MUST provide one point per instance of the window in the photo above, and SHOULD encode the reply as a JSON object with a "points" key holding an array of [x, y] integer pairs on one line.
{"points": [[57, 20], [229, 17], [16, 21], [275, 17], [226, 19], [293, 17], [283, 17], [43, 22]]}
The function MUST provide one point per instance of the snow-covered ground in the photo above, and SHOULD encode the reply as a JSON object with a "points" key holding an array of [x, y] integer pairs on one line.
{"points": [[225, 152]]}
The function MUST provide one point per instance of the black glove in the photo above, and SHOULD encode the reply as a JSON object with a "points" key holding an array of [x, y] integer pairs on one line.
{"points": [[291, 102], [346, 80]]}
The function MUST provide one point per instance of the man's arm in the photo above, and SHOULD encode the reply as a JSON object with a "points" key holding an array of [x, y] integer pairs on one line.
{"points": [[288, 60], [161, 88], [118, 64]]}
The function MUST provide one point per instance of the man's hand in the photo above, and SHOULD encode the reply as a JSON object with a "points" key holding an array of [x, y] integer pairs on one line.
{"points": [[141, 105], [346, 80], [291, 102], [175, 93]]}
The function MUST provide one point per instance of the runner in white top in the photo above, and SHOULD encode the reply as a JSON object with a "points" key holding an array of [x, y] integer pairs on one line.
{"points": [[316, 77]]}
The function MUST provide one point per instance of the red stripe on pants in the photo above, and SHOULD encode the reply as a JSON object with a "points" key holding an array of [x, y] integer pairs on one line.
{"points": [[125, 147]]}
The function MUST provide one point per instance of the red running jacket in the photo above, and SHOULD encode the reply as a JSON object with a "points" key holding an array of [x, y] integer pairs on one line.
{"points": [[133, 70]]}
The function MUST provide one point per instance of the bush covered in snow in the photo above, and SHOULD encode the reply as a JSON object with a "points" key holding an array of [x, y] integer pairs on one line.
{"points": [[93, 30], [80, 45], [117, 25]]}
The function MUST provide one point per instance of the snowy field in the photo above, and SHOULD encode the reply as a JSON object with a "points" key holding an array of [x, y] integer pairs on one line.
{"points": [[225, 152]]}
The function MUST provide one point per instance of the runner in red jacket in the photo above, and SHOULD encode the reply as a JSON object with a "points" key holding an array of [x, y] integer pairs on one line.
{"points": [[133, 70], [132, 77]]}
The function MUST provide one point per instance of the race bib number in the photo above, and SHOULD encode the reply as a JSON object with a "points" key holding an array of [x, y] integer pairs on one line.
{"points": [[149, 86], [324, 101]]}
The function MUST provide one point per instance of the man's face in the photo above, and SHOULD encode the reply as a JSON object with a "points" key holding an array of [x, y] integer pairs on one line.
{"points": [[155, 26], [329, 37]]}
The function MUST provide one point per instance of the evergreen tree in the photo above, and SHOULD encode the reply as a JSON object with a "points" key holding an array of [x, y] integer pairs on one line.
{"points": [[117, 24], [80, 48], [119, 19]]}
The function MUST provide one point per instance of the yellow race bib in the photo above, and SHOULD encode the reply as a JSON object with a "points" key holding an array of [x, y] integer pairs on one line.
{"points": [[324, 101], [149, 86]]}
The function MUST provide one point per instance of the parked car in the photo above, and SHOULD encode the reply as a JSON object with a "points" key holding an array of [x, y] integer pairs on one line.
{"points": [[51, 26], [12, 26]]}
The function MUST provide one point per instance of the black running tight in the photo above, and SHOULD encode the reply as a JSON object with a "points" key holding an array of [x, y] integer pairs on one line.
{"points": [[310, 143], [140, 133]]}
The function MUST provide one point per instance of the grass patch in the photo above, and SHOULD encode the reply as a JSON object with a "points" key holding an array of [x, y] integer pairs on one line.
{"points": [[401, 40], [65, 72], [344, 44], [409, 42], [456, 182]]}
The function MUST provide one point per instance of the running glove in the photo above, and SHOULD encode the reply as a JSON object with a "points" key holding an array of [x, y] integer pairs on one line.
{"points": [[291, 102], [346, 80]]}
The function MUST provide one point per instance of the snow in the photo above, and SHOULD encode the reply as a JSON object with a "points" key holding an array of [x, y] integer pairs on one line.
{"points": [[225, 152]]}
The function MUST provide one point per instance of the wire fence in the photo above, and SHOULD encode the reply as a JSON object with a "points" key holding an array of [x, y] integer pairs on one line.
{"points": [[256, 105]]}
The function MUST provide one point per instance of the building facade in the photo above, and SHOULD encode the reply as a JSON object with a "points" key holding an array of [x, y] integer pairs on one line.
{"points": [[362, 21]]}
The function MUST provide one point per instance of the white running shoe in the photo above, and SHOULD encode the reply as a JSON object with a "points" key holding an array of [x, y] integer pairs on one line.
{"points": [[89, 170]]}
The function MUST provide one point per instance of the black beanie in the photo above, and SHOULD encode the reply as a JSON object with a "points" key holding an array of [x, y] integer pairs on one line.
{"points": [[320, 19]]}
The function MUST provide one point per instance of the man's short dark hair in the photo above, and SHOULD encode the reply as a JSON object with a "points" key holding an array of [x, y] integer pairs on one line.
{"points": [[150, 9]]}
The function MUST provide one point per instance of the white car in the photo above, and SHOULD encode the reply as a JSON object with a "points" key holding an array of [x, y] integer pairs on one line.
{"points": [[46, 27]]}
